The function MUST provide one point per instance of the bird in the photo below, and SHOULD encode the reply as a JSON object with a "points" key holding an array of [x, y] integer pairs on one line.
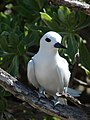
{"points": [[47, 70]]}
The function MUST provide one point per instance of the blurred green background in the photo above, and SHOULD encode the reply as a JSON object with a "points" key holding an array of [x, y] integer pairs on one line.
{"points": [[22, 23]]}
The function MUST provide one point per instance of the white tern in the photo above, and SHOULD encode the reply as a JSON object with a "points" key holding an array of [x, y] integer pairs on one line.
{"points": [[47, 69]]}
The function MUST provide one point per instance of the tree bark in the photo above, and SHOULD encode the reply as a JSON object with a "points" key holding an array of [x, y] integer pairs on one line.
{"points": [[24, 93], [74, 4]]}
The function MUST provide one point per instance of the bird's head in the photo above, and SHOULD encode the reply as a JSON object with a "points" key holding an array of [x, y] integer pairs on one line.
{"points": [[51, 40]]}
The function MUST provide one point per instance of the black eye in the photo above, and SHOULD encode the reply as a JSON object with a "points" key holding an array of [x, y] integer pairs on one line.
{"points": [[48, 40]]}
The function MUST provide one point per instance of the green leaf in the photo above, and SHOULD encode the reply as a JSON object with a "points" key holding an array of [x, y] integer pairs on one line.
{"points": [[39, 28], [13, 39], [33, 38], [29, 4], [63, 13], [41, 3], [84, 56], [72, 46], [49, 21], [23, 11], [21, 47], [3, 43], [3, 92], [7, 94], [82, 20], [3, 104], [14, 67]]}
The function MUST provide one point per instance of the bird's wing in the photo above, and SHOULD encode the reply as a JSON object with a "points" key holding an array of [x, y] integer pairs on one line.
{"points": [[64, 76], [61, 85], [60, 77], [31, 74]]}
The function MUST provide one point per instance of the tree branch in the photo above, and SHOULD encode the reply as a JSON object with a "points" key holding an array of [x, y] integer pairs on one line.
{"points": [[81, 82], [24, 93], [74, 4], [74, 70]]}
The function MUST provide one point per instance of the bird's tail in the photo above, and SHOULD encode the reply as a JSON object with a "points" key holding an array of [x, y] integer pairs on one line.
{"points": [[73, 92]]}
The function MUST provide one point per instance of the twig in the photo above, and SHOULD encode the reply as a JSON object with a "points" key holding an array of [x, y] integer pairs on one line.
{"points": [[73, 100], [74, 4], [81, 82], [23, 93], [74, 69]]}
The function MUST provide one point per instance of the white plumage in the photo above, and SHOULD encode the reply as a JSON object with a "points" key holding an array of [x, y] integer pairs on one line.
{"points": [[48, 69]]}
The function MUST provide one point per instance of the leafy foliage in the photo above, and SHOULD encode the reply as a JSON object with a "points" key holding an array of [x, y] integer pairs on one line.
{"points": [[22, 25], [3, 101]]}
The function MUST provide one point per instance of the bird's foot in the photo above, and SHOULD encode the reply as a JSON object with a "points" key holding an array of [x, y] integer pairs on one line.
{"points": [[41, 93], [55, 102], [58, 100]]}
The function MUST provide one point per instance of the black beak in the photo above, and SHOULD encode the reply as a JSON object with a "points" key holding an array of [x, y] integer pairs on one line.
{"points": [[58, 45]]}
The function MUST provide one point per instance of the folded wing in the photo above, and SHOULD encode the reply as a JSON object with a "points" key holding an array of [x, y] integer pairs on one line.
{"points": [[64, 76], [31, 74]]}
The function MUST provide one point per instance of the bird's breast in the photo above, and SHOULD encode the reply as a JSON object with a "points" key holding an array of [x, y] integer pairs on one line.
{"points": [[46, 75]]}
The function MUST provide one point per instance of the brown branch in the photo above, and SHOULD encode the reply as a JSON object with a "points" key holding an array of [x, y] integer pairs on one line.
{"points": [[74, 70], [72, 99], [74, 4], [23, 93]]}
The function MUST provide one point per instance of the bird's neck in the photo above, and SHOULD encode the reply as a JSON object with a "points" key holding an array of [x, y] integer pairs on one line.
{"points": [[48, 51]]}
